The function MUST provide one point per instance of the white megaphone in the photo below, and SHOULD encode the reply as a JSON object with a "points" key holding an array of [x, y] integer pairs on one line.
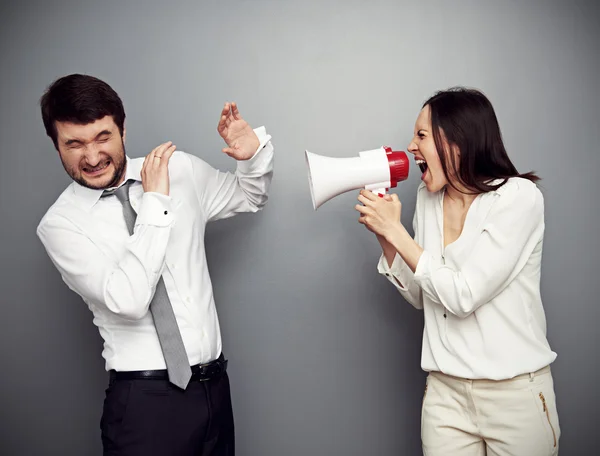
{"points": [[377, 170]]}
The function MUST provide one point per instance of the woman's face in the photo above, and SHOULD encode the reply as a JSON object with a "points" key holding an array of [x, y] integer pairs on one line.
{"points": [[423, 148]]}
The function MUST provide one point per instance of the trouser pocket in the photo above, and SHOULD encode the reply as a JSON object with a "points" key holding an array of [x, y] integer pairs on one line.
{"points": [[546, 410]]}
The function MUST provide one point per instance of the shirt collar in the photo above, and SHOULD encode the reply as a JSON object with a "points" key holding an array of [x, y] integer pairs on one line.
{"points": [[89, 196]]}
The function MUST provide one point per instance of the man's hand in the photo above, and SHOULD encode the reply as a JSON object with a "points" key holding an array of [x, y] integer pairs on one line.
{"points": [[155, 170], [241, 140]]}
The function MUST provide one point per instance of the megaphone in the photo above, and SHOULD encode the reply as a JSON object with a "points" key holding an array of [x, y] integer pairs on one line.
{"points": [[377, 170]]}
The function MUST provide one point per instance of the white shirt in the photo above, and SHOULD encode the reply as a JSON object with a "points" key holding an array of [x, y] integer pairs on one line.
{"points": [[481, 294], [116, 274]]}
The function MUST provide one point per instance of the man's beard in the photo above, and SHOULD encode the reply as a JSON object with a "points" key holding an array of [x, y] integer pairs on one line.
{"points": [[119, 170]]}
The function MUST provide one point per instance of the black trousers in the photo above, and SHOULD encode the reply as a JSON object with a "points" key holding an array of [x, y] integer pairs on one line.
{"points": [[155, 418]]}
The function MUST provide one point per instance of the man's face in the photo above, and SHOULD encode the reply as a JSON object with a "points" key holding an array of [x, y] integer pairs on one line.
{"points": [[92, 154]]}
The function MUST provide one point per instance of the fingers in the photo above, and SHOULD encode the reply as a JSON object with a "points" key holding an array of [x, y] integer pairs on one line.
{"points": [[222, 124], [368, 197], [362, 219], [226, 110], [366, 201], [223, 119], [166, 155], [363, 209], [369, 194], [232, 151], [159, 152], [235, 111], [155, 175], [149, 158]]}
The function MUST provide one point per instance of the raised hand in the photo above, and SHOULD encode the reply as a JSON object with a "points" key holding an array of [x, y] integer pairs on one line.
{"points": [[155, 170], [379, 215], [241, 140]]}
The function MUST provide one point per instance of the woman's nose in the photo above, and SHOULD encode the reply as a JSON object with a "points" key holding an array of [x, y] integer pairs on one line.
{"points": [[412, 147]]}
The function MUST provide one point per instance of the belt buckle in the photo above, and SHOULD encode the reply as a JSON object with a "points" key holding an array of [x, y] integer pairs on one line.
{"points": [[207, 371], [202, 374]]}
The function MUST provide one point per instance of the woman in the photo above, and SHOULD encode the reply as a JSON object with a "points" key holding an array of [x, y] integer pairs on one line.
{"points": [[474, 269]]}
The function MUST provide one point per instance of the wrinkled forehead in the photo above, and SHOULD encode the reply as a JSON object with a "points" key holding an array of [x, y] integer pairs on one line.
{"points": [[85, 132]]}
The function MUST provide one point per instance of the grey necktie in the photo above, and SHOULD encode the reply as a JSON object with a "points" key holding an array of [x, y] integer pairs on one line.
{"points": [[176, 359]]}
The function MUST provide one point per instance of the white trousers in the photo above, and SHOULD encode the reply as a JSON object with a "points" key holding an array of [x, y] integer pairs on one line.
{"points": [[516, 417]]}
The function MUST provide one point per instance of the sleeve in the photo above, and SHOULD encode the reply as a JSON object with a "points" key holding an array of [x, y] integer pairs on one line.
{"points": [[224, 194], [512, 229], [400, 275], [125, 287]]}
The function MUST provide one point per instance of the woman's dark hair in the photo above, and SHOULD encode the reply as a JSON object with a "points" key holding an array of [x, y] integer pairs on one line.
{"points": [[465, 119], [80, 99]]}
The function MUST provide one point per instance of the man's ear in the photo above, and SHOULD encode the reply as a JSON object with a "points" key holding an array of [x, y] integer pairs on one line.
{"points": [[124, 132]]}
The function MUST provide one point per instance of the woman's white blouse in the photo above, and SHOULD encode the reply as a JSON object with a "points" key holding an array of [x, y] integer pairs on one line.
{"points": [[481, 294]]}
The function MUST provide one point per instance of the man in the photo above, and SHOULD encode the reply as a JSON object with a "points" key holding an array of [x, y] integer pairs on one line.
{"points": [[128, 236]]}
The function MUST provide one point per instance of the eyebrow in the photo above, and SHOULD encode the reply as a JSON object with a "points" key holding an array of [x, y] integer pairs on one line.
{"points": [[77, 141]]}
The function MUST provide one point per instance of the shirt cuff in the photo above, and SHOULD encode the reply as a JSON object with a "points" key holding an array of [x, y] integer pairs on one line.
{"points": [[260, 159], [422, 269], [396, 273], [385, 269], [155, 210], [423, 274]]}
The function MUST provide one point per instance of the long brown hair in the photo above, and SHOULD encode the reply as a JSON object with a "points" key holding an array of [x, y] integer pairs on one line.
{"points": [[466, 119]]}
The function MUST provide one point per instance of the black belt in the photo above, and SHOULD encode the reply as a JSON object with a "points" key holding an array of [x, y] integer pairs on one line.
{"points": [[200, 372]]}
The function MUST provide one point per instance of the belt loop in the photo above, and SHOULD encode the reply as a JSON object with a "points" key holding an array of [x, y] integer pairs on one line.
{"points": [[531, 375]]}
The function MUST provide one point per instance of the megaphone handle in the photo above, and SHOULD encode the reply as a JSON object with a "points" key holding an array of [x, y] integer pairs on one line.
{"points": [[380, 191]]}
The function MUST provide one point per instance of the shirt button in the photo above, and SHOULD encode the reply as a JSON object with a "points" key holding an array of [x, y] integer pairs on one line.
{"points": [[188, 299], [166, 212], [387, 274], [172, 265], [445, 316]]}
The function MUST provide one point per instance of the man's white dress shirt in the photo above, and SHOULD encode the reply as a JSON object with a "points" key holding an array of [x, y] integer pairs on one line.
{"points": [[87, 239], [481, 294]]}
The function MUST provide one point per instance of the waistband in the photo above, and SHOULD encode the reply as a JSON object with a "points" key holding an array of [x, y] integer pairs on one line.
{"points": [[200, 372], [528, 375]]}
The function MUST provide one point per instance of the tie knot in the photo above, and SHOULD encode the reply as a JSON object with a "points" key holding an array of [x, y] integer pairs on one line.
{"points": [[122, 193]]}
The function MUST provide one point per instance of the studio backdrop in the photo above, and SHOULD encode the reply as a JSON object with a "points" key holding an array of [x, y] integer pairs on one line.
{"points": [[324, 353]]}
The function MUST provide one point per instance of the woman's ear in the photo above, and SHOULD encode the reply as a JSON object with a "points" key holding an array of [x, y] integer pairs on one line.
{"points": [[455, 151]]}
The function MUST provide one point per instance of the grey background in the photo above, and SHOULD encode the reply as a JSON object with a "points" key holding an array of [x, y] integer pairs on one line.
{"points": [[324, 353]]}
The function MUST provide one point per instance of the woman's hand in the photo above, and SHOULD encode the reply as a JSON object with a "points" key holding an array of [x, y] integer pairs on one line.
{"points": [[380, 215]]}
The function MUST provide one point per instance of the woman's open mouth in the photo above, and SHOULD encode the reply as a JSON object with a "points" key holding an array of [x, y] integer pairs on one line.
{"points": [[422, 164]]}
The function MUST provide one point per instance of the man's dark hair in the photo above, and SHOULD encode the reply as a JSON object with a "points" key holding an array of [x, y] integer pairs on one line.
{"points": [[80, 99], [466, 119]]}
